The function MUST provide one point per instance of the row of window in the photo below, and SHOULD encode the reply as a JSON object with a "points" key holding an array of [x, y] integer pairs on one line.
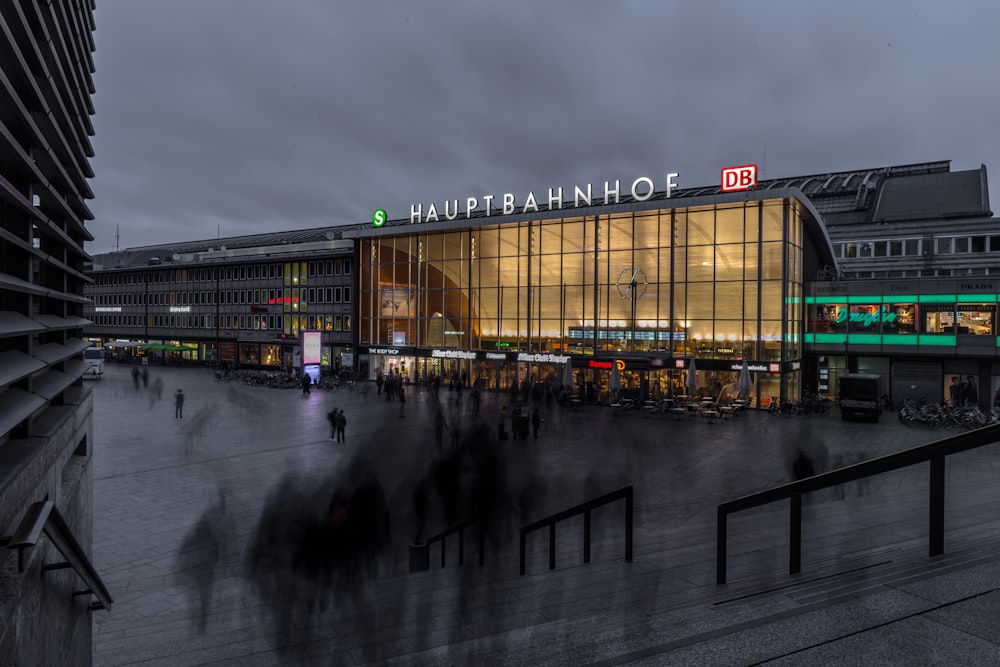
{"points": [[296, 295], [917, 247], [284, 323], [290, 272]]}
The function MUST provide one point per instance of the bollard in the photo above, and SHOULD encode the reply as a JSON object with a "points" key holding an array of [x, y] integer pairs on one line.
{"points": [[420, 557]]}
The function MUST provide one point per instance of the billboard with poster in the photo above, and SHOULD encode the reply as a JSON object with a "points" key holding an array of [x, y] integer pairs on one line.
{"points": [[312, 347]]}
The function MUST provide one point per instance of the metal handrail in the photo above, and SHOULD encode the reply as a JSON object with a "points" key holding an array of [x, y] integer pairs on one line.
{"points": [[442, 538], [934, 452], [44, 517], [585, 509]]}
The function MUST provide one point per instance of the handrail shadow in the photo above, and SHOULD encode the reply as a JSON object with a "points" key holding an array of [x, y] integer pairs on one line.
{"points": [[625, 493], [934, 452], [420, 552], [44, 517]]}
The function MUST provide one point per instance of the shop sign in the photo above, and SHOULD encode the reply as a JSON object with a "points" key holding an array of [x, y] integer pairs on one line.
{"points": [[347, 359], [774, 368], [642, 189], [107, 309], [603, 365], [502, 343], [452, 354], [496, 356], [542, 358], [180, 309], [751, 366], [383, 350], [867, 318]]}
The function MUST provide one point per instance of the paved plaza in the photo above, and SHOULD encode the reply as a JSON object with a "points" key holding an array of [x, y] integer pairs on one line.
{"points": [[178, 505]]}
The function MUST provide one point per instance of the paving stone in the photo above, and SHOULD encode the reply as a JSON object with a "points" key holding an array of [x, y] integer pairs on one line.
{"points": [[866, 581]]}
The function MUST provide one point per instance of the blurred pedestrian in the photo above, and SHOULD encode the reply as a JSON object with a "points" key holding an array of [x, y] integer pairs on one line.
{"points": [[340, 424], [536, 421], [135, 377], [145, 376], [402, 401], [331, 417], [803, 467], [306, 384], [179, 404]]}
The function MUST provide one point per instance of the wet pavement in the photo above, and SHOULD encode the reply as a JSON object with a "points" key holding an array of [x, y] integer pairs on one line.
{"points": [[207, 526]]}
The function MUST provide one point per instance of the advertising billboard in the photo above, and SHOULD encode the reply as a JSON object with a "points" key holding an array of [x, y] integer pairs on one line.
{"points": [[311, 347]]}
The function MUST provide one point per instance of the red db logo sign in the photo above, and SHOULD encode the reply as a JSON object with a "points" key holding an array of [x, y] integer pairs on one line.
{"points": [[735, 179]]}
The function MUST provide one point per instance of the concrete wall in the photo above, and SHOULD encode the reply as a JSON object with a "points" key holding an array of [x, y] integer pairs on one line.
{"points": [[41, 622]]}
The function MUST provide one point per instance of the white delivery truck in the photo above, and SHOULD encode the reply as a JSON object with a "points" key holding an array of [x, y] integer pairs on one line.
{"points": [[95, 357]]}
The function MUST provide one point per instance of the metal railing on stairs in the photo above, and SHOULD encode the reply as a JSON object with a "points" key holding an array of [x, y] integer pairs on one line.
{"points": [[43, 517], [420, 552], [934, 453], [625, 493]]}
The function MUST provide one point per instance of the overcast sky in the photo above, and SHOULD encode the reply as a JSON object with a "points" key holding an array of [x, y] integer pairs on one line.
{"points": [[237, 117]]}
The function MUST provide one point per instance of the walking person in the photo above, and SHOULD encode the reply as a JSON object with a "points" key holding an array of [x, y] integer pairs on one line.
{"points": [[502, 423], [439, 425], [340, 424], [402, 402], [332, 416], [306, 384], [536, 421], [179, 404]]}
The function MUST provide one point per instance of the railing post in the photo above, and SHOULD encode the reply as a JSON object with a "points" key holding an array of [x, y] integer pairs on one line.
{"points": [[720, 547], [936, 542], [552, 545], [586, 536], [522, 550], [420, 557], [795, 535], [628, 525], [482, 544]]}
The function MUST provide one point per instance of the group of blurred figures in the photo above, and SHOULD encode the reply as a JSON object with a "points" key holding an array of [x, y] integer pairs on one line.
{"points": [[317, 543]]}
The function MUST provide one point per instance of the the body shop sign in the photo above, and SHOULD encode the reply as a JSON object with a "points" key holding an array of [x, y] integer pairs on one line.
{"points": [[312, 347]]}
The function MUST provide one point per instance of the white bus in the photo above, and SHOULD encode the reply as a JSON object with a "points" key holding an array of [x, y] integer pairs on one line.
{"points": [[95, 357]]}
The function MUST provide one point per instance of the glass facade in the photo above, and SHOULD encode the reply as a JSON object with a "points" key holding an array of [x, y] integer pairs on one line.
{"points": [[720, 281]]}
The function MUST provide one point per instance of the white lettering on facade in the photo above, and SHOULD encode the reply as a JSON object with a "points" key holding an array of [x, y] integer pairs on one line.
{"points": [[608, 191], [555, 197], [542, 358], [530, 204], [508, 203], [635, 188], [452, 354], [449, 214], [642, 189]]}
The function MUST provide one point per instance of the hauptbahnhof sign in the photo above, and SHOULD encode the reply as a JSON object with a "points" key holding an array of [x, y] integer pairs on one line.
{"points": [[642, 189]]}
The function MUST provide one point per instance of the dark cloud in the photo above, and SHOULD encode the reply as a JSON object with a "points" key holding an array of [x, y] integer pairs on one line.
{"points": [[243, 117]]}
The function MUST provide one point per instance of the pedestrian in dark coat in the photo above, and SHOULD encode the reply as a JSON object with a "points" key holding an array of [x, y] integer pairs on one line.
{"points": [[536, 421], [402, 402], [179, 404]]}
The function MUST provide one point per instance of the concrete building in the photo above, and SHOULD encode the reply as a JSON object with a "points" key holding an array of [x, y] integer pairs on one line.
{"points": [[238, 301], [46, 436]]}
